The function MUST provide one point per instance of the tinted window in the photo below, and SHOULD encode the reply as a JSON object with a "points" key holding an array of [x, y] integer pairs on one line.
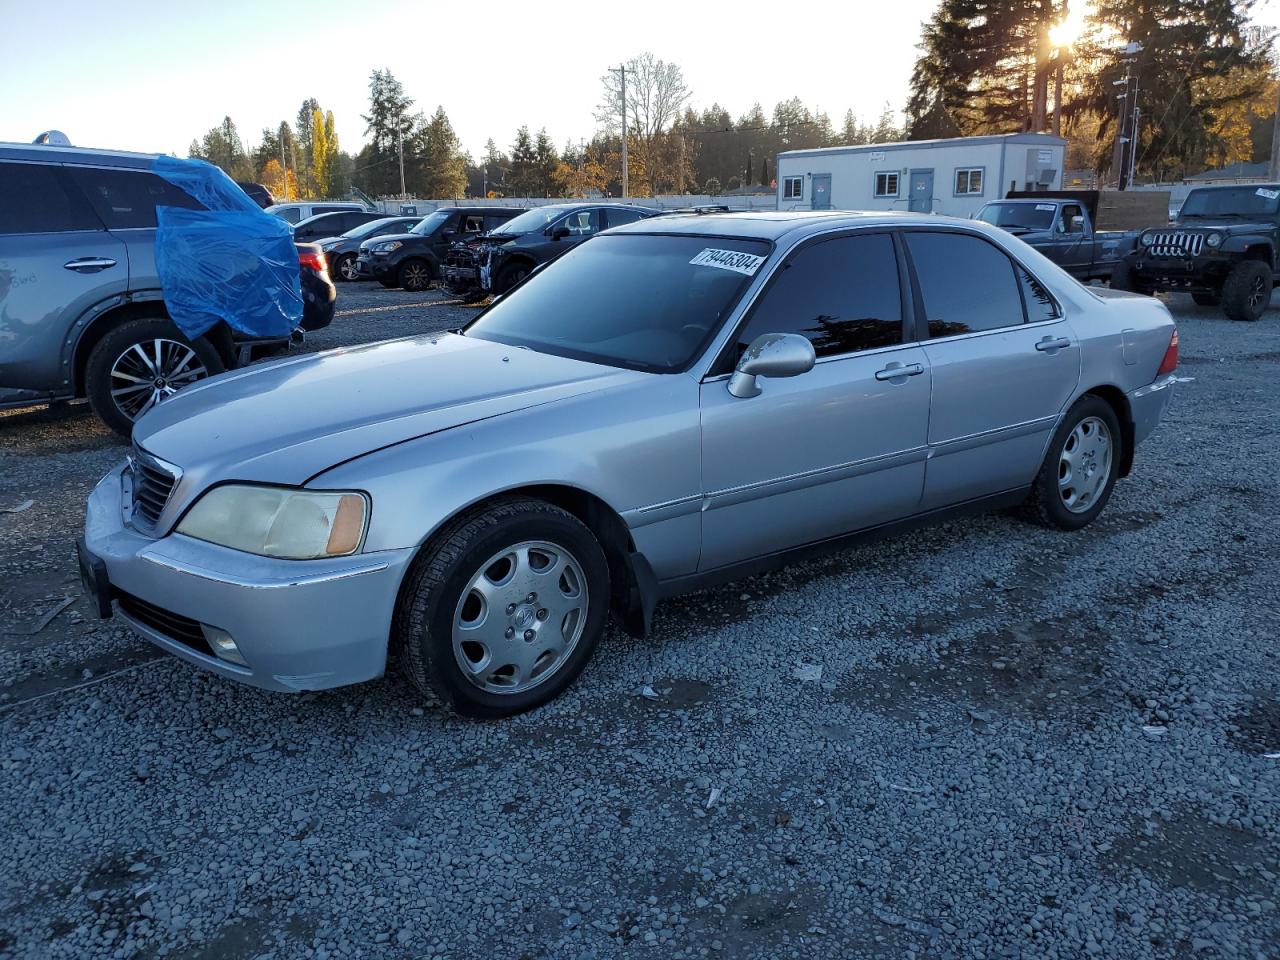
{"points": [[629, 300], [494, 221], [291, 214], [32, 200], [583, 223], [618, 217], [128, 198], [471, 223], [1040, 304], [967, 283], [842, 294]]}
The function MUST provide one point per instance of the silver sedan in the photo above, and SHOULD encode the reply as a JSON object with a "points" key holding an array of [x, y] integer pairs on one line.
{"points": [[675, 403]]}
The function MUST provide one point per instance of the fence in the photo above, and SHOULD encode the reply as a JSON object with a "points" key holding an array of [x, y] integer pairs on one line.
{"points": [[755, 201]]}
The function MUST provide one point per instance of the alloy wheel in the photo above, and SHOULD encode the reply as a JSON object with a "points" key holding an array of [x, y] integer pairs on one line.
{"points": [[347, 268], [1256, 294], [151, 371], [416, 277], [520, 617], [1084, 466]]}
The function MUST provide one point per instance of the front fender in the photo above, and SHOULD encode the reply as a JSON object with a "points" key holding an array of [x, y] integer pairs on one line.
{"points": [[1247, 241]]}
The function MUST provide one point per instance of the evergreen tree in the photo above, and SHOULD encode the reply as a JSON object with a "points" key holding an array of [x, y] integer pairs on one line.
{"points": [[523, 179]]}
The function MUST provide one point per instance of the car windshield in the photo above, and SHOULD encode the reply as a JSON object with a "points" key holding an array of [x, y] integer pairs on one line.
{"points": [[428, 226], [355, 233], [530, 220], [639, 301], [1030, 216], [1232, 202]]}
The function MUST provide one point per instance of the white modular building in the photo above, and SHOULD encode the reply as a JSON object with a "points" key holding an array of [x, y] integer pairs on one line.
{"points": [[954, 176]]}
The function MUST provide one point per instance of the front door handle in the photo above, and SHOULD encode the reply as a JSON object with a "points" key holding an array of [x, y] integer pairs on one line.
{"points": [[897, 371], [1049, 344], [89, 264]]}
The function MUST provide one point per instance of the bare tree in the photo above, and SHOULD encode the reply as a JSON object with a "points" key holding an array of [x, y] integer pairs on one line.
{"points": [[656, 93]]}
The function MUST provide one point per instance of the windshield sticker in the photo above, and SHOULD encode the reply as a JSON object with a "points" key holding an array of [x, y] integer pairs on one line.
{"points": [[744, 263], [1269, 194], [1046, 206]]}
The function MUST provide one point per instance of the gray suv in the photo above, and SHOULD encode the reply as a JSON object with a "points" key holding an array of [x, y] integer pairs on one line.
{"points": [[81, 312]]}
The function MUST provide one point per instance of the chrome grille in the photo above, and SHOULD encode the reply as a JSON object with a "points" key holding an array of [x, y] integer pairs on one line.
{"points": [[1176, 244], [153, 483]]}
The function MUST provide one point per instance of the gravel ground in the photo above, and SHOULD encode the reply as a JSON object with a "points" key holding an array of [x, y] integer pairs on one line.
{"points": [[984, 740]]}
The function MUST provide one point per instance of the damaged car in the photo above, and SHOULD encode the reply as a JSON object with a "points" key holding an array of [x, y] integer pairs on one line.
{"points": [[495, 262], [675, 403]]}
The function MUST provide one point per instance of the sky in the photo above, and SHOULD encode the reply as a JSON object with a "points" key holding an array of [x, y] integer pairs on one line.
{"points": [[152, 76]]}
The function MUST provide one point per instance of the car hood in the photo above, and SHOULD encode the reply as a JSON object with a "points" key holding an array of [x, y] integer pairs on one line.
{"points": [[1229, 227], [288, 421]]}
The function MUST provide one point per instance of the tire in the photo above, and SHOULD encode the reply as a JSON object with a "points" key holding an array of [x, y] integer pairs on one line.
{"points": [[1065, 494], [116, 372], [440, 605], [1207, 299], [1246, 294], [1121, 277], [510, 275], [345, 268], [415, 275]]}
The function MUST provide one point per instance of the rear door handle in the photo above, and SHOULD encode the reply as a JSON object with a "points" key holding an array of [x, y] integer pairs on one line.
{"points": [[1050, 344], [896, 371], [89, 264]]}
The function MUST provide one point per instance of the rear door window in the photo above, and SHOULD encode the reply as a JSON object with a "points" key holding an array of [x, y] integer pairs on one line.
{"points": [[842, 294], [472, 223], [33, 199], [290, 214], [127, 199], [616, 218], [968, 284]]}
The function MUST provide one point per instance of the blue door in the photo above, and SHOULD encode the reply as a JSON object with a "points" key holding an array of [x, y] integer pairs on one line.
{"points": [[821, 191], [921, 197]]}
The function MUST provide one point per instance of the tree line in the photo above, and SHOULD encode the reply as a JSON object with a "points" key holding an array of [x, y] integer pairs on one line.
{"points": [[1206, 77]]}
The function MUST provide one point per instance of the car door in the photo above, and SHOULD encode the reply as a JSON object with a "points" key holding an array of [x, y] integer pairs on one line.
{"points": [[56, 261], [126, 200], [836, 449], [1004, 364]]}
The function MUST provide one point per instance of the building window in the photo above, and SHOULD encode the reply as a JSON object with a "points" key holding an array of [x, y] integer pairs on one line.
{"points": [[887, 184], [793, 188], [969, 181]]}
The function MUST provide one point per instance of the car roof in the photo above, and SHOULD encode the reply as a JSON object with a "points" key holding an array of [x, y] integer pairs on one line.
{"points": [[775, 224], [1236, 186], [89, 155], [478, 209]]}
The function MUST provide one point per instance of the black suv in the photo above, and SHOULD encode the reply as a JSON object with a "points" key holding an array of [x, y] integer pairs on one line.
{"points": [[497, 261], [81, 309], [1221, 249], [412, 260]]}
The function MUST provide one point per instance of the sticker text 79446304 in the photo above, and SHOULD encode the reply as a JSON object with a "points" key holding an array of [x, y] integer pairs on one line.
{"points": [[744, 263]]}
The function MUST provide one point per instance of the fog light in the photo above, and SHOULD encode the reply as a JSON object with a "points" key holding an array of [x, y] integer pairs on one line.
{"points": [[223, 645]]}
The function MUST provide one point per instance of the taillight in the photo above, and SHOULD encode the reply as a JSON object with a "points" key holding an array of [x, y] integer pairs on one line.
{"points": [[313, 257], [1170, 361]]}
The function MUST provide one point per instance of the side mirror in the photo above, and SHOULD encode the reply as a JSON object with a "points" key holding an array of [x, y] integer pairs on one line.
{"points": [[1077, 224], [559, 233], [771, 355]]}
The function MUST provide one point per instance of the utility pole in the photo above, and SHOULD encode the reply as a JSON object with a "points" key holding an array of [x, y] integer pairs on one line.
{"points": [[284, 172], [1274, 173], [1126, 153], [622, 72], [400, 141]]}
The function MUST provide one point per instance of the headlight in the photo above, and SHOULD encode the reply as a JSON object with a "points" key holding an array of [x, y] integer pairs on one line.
{"points": [[1214, 240], [279, 521], [387, 247], [1148, 238]]}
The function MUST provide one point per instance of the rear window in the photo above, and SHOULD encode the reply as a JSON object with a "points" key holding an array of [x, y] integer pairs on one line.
{"points": [[127, 199], [33, 200]]}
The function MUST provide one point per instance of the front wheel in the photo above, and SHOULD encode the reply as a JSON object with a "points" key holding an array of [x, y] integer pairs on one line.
{"points": [[141, 363], [510, 276], [504, 608], [345, 268], [1081, 467], [1246, 294], [415, 275]]}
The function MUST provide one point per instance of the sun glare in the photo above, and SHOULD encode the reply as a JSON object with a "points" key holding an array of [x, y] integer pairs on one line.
{"points": [[1067, 32]]}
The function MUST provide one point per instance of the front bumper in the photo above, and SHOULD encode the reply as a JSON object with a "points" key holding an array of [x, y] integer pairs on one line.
{"points": [[298, 625], [375, 268], [1147, 405], [1181, 273]]}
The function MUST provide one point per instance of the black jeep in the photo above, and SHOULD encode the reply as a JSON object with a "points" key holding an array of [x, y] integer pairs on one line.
{"points": [[1221, 249]]}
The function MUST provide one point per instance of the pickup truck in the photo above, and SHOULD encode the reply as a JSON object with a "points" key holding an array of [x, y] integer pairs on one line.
{"points": [[1062, 231], [1222, 249]]}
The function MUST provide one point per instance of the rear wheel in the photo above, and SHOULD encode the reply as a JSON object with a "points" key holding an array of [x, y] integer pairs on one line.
{"points": [[141, 363], [504, 608], [510, 276], [415, 275], [1246, 294], [1081, 467]]}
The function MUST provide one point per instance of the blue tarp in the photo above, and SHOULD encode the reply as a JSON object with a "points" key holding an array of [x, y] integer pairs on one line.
{"points": [[231, 261]]}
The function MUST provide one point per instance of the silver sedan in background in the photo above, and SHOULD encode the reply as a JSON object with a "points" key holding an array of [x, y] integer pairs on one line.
{"points": [[674, 403]]}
